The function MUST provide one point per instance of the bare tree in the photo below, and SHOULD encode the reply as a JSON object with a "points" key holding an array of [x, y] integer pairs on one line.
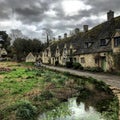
{"points": [[49, 34]]}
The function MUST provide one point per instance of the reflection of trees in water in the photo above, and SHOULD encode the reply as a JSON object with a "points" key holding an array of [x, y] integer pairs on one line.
{"points": [[95, 99], [59, 112]]}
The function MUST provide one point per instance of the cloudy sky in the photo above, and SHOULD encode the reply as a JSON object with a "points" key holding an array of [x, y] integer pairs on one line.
{"points": [[32, 16]]}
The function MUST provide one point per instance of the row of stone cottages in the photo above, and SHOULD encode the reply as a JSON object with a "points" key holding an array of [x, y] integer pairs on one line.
{"points": [[91, 48]]}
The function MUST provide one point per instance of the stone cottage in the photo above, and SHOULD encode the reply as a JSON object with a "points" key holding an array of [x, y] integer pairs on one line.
{"points": [[30, 58]]}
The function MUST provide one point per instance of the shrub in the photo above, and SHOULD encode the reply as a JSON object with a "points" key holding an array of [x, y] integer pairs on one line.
{"points": [[61, 81], [38, 74], [26, 111], [69, 64], [94, 69], [116, 58], [77, 65], [45, 95], [48, 79], [84, 94]]}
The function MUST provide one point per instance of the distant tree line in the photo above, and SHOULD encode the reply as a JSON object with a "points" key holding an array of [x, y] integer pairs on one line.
{"points": [[5, 39], [21, 47]]}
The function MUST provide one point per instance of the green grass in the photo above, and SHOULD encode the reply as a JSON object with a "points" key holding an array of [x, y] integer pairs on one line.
{"points": [[28, 83]]}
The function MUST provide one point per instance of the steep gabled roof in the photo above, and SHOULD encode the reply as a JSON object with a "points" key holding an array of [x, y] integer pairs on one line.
{"points": [[30, 55], [105, 30], [3, 51]]}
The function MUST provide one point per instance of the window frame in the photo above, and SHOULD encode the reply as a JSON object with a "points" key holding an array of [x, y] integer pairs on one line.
{"points": [[117, 41], [82, 59], [103, 42]]}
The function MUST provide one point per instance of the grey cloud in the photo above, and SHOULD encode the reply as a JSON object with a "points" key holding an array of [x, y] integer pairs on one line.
{"points": [[32, 12], [104, 5]]}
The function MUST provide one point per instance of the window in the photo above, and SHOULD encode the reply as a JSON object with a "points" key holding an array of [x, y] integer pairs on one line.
{"points": [[65, 49], [96, 60], [117, 41], [103, 42], [88, 44], [82, 60], [75, 59]]}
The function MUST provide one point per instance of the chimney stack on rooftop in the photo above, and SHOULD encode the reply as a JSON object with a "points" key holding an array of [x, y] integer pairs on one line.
{"points": [[54, 38], [59, 37], [65, 35], [77, 30], [85, 28], [110, 15]]}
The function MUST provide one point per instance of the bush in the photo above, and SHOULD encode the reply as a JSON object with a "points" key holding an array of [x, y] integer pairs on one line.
{"points": [[77, 65], [26, 111], [94, 69], [84, 94], [69, 64], [45, 95]]}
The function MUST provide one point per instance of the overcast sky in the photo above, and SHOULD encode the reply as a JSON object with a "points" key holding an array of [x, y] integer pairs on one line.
{"points": [[31, 16]]}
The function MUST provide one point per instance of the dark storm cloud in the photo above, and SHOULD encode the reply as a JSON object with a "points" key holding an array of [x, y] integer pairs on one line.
{"points": [[103, 5], [4, 12], [37, 13]]}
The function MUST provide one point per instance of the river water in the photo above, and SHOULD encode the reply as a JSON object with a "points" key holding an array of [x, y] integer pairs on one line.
{"points": [[71, 110]]}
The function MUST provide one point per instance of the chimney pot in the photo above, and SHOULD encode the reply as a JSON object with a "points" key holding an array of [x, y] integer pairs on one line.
{"points": [[59, 37], [85, 27], [110, 15], [65, 35], [77, 30]]}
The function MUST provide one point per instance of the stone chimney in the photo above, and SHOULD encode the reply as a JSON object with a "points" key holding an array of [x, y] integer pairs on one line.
{"points": [[85, 28], [77, 30], [59, 37], [65, 35], [110, 15], [54, 38]]}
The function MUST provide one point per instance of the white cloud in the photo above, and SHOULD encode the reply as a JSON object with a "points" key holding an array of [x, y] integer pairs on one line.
{"points": [[51, 13], [72, 7]]}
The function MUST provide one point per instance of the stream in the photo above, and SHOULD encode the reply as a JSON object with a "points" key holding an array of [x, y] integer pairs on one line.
{"points": [[71, 110]]}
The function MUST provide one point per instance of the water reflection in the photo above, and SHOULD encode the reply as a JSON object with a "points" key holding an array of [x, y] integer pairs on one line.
{"points": [[71, 110]]}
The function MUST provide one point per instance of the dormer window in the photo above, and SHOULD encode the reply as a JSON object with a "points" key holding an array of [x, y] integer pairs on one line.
{"points": [[1, 39], [65, 49], [88, 44], [104, 42], [117, 41]]}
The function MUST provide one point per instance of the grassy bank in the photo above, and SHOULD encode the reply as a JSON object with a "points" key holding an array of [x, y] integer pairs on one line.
{"points": [[26, 91]]}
